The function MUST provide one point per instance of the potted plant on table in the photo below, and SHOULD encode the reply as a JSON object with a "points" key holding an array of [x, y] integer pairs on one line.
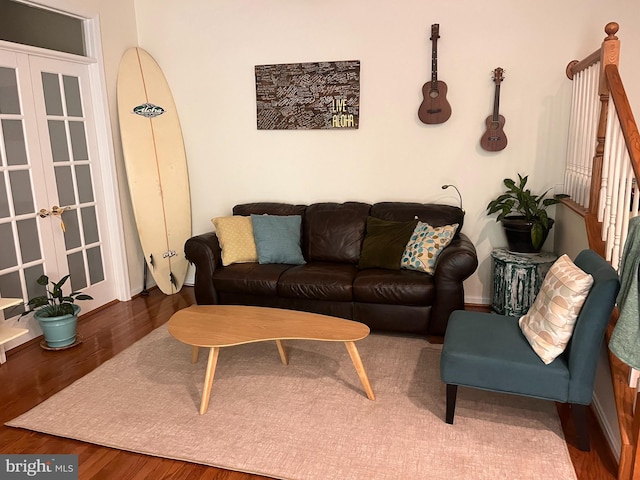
{"points": [[56, 312], [524, 215]]}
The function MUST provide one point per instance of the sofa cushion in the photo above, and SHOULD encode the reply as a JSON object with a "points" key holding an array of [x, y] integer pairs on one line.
{"points": [[319, 281], [278, 238], [401, 287], [249, 278], [431, 213], [333, 232], [384, 243]]}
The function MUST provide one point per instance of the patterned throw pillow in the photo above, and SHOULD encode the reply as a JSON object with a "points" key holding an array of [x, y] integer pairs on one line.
{"points": [[425, 245], [549, 323], [235, 235]]}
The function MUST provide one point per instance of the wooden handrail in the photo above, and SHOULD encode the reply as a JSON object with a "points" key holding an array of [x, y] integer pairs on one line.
{"points": [[576, 66], [625, 115]]}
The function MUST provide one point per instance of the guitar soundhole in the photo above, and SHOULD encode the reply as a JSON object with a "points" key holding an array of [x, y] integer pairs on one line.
{"points": [[434, 94]]}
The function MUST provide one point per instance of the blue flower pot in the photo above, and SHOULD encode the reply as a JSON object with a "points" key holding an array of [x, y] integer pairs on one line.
{"points": [[59, 331]]}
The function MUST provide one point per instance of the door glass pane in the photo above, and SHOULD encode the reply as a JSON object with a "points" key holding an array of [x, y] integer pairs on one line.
{"points": [[72, 96], [31, 276], [52, 97], [33, 25], [29, 240], [21, 192], [8, 251], [94, 259], [10, 288], [58, 140], [9, 100], [78, 141], [76, 270], [4, 200], [72, 230], [90, 225], [85, 189], [14, 142], [64, 185]]}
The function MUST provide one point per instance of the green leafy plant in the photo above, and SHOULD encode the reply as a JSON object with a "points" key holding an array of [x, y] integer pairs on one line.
{"points": [[55, 303], [519, 201]]}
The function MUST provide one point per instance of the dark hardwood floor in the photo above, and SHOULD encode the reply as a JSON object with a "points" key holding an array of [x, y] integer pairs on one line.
{"points": [[32, 374]]}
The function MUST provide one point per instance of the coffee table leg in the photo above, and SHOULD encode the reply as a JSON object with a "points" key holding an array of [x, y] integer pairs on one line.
{"points": [[283, 353], [208, 379], [357, 362], [194, 354]]}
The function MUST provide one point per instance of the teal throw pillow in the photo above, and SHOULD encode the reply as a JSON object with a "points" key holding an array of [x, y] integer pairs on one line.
{"points": [[278, 238], [425, 246], [384, 243]]}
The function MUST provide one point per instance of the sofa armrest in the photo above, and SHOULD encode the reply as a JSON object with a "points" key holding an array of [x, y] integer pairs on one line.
{"points": [[204, 252], [456, 263]]}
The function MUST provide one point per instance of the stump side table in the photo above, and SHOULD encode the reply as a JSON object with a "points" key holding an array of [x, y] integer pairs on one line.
{"points": [[517, 278]]}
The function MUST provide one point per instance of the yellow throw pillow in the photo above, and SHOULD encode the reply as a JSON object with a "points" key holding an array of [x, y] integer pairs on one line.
{"points": [[549, 323], [235, 235]]}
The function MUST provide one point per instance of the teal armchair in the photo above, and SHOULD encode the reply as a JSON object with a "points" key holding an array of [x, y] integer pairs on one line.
{"points": [[488, 351]]}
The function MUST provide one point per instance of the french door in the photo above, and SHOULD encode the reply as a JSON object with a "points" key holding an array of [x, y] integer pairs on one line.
{"points": [[52, 218]]}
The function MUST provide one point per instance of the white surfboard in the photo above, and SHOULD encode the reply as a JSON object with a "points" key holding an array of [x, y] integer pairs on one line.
{"points": [[156, 167]]}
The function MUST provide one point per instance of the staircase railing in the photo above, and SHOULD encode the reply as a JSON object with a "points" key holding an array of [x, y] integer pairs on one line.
{"points": [[603, 153], [603, 163]]}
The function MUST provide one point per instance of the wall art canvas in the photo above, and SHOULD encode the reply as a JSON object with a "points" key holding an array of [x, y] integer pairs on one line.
{"points": [[304, 96]]}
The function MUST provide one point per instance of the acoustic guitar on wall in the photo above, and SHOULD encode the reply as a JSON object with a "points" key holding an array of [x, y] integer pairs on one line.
{"points": [[435, 107], [494, 139]]}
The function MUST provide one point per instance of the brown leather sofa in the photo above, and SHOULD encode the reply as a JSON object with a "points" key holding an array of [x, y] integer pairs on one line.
{"points": [[330, 282]]}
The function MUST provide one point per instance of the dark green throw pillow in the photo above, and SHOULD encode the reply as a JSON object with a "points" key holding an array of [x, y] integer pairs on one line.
{"points": [[384, 243]]}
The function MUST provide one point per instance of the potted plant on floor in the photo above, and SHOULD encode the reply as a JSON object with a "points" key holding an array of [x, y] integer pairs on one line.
{"points": [[524, 215], [56, 312]]}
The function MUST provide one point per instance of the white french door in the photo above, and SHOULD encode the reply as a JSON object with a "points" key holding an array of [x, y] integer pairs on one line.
{"points": [[52, 216]]}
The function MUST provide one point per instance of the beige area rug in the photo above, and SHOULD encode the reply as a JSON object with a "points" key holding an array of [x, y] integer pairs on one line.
{"points": [[310, 419]]}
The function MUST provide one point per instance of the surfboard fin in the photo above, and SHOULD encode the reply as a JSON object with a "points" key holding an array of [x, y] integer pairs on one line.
{"points": [[151, 261], [172, 279]]}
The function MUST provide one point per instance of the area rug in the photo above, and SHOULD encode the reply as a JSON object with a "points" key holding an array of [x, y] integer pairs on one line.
{"points": [[310, 419]]}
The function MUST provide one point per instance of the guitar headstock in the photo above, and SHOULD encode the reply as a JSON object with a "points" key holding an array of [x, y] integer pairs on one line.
{"points": [[435, 31], [498, 75]]}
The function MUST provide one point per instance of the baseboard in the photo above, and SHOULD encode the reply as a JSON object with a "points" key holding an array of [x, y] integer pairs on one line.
{"points": [[478, 307], [613, 439], [473, 300]]}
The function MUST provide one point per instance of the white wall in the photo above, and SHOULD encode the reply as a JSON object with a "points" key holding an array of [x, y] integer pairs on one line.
{"points": [[208, 50]]}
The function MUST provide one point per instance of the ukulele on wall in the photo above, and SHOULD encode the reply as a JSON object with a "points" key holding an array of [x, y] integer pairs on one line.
{"points": [[434, 108], [494, 138]]}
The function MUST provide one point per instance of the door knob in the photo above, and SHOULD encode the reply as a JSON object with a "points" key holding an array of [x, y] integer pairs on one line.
{"points": [[56, 211]]}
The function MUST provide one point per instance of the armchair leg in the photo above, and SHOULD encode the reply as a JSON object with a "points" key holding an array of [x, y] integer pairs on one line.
{"points": [[452, 391], [579, 414]]}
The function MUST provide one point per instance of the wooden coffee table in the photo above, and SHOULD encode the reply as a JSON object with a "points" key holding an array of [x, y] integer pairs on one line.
{"points": [[217, 326]]}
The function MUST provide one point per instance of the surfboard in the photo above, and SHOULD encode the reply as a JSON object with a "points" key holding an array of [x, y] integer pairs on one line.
{"points": [[156, 167]]}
